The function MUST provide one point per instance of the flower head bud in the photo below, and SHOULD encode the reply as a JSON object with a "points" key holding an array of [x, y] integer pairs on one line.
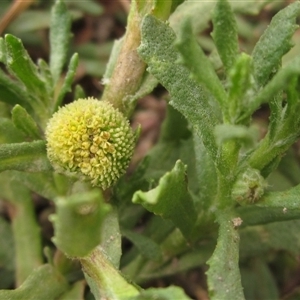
{"points": [[249, 187], [92, 139]]}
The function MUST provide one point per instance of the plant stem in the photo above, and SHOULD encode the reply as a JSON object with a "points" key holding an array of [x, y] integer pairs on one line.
{"points": [[129, 68], [105, 281]]}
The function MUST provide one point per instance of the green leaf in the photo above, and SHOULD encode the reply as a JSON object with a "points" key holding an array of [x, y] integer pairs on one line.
{"points": [[66, 86], [53, 285], [60, 26], [197, 62], [158, 51], [21, 65], [24, 122], [29, 157], [12, 93], [148, 248], [111, 241], [2, 51], [171, 199], [274, 43], [224, 280], [240, 86], [169, 293], [77, 222], [9, 133], [243, 134], [225, 33], [278, 83], [104, 279]]}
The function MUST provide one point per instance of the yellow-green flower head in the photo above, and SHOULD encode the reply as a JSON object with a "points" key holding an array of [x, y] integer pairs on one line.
{"points": [[92, 139]]}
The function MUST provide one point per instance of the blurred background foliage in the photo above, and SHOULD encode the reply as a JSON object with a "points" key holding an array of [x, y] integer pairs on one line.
{"points": [[95, 26]]}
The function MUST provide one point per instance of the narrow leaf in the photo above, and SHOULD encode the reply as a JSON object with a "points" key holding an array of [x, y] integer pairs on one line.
{"points": [[197, 62], [224, 280], [158, 51], [274, 43], [53, 285], [60, 26], [29, 157], [21, 65], [80, 216], [277, 84], [225, 33], [66, 87], [24, 122], [171, 199]]}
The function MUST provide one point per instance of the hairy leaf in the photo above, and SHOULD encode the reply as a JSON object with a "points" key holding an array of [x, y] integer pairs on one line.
{"points": [[225, 33], [197, 62], [60, 26], [24, 122], [29, 157], [161, 56], [78, 221], [171, 199], [274, 43]]}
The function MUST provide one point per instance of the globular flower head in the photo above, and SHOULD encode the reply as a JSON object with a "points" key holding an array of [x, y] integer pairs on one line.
{"points": [[92, 139]]}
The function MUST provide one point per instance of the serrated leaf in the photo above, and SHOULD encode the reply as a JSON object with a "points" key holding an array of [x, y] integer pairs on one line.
{"points": [[21, 65], [171, 199], [197, 62], [104, 279], [54, 284], [169, 293], [161, 56], [9, 133], [224, 280], [78, 221], [274, 43], [29, 157], [25, 123], [60, 26], [225, 33]]}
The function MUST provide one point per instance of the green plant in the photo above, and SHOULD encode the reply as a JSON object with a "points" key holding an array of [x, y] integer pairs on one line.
{"points": [[203, 193]]}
